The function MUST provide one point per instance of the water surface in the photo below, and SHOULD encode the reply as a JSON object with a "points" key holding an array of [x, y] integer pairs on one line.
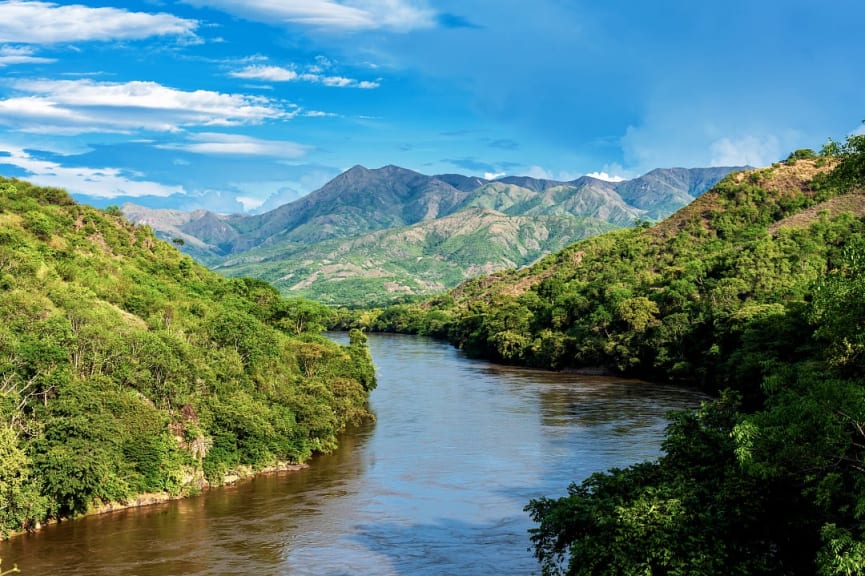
{"points": [[436, 486]]}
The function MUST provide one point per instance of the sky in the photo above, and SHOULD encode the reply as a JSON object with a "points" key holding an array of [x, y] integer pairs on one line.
{"points": [[243, 105]]}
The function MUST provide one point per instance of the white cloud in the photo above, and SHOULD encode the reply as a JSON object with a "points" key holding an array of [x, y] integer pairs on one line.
{"points": [[20, 55], [79, 106], [708, 133], [494, 175], [338, 81], [748, 150], [249, 203], [49, 23], [269, 73], [312, 75], [100, 182], [239, 145], [604, 176], [399, 15]]}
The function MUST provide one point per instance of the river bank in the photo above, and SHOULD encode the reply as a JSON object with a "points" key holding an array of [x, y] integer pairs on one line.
{"points": [[437, 485], [154, 498]]}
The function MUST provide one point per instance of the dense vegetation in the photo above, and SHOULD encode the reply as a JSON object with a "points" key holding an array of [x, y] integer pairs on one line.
{"points": [[126, 368], [665, 302], [778, 489], [377, 237], [382, 267], [757, 292]]}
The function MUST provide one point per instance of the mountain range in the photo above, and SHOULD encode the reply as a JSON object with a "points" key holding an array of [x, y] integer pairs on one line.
{"points": [[374, 236]]}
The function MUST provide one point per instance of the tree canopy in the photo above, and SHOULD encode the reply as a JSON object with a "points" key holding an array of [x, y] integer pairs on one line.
{"points": [[125, 367], [756, 292]]}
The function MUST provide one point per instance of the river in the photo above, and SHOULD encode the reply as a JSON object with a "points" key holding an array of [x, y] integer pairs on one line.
{"points": [[436, 486]]}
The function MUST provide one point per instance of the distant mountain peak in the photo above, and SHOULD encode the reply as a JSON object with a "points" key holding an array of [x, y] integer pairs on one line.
{"points": [[371, 203]]}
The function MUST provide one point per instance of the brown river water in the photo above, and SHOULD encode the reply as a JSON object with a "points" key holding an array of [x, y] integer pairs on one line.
{"points": [[436, 486]]}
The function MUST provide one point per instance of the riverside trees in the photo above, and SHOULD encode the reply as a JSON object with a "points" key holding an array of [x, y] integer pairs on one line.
{"points": [[126, 368], [756, 292], [768, 479]]}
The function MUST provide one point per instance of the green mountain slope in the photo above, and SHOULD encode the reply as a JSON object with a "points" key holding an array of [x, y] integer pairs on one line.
{"points": [[661, 302], [756, 291], [125, 367], [360, 202], [425, 258]]}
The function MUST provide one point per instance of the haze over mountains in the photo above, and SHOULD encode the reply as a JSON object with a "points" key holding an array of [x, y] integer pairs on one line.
{"points": [[375, 235]]}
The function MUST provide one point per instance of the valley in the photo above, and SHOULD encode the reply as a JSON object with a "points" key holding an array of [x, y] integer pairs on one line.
{"points": [[130, 368], [390, 234]]}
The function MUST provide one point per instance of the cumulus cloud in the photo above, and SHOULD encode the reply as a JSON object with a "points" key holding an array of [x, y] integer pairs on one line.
{"points": [[240, 145], [268, 73], [98, 182], [49, 23], [398, 15], [249, 203], [20, 55], [494, 175], [746, 151], [339, 81], [604, 176], [313, 75], [708, 133], [80, 106]]}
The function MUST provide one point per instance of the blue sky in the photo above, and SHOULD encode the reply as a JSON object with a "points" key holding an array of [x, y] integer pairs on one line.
{"points": [[235, 105]]}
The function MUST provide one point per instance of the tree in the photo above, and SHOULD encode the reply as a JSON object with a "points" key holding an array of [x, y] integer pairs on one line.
{"points": [[20, 503], [297, 316], [850, 173], [839, 310], [359, 352], [691, 513]]}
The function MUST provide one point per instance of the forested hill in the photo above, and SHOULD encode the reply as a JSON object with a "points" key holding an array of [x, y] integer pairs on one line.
{"points": [[757, 288], [127, 368], [389, 234], [664, 302]]}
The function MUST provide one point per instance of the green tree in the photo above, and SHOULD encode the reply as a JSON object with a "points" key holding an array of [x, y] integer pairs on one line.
{"points": [[850, 173], [297, 316], [839, 310], [20, 502]]}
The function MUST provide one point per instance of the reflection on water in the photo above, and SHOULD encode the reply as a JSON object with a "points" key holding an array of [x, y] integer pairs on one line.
{"points": [[436, 486]]}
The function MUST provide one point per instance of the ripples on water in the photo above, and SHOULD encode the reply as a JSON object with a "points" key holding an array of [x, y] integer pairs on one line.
{"points": [[436, 486]]}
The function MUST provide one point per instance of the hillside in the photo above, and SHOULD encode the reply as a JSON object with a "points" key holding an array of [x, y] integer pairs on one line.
{"points": [[361, 202], [428, 257], [756, 292], [127, 368], [660, 302]]}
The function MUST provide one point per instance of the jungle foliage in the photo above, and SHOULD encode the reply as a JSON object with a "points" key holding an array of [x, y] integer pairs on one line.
{"points": [[667, 302], [127, 368], [756, 292]]}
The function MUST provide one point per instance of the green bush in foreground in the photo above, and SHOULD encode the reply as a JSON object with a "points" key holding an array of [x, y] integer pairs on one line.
{"points": [[769, 479]]}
